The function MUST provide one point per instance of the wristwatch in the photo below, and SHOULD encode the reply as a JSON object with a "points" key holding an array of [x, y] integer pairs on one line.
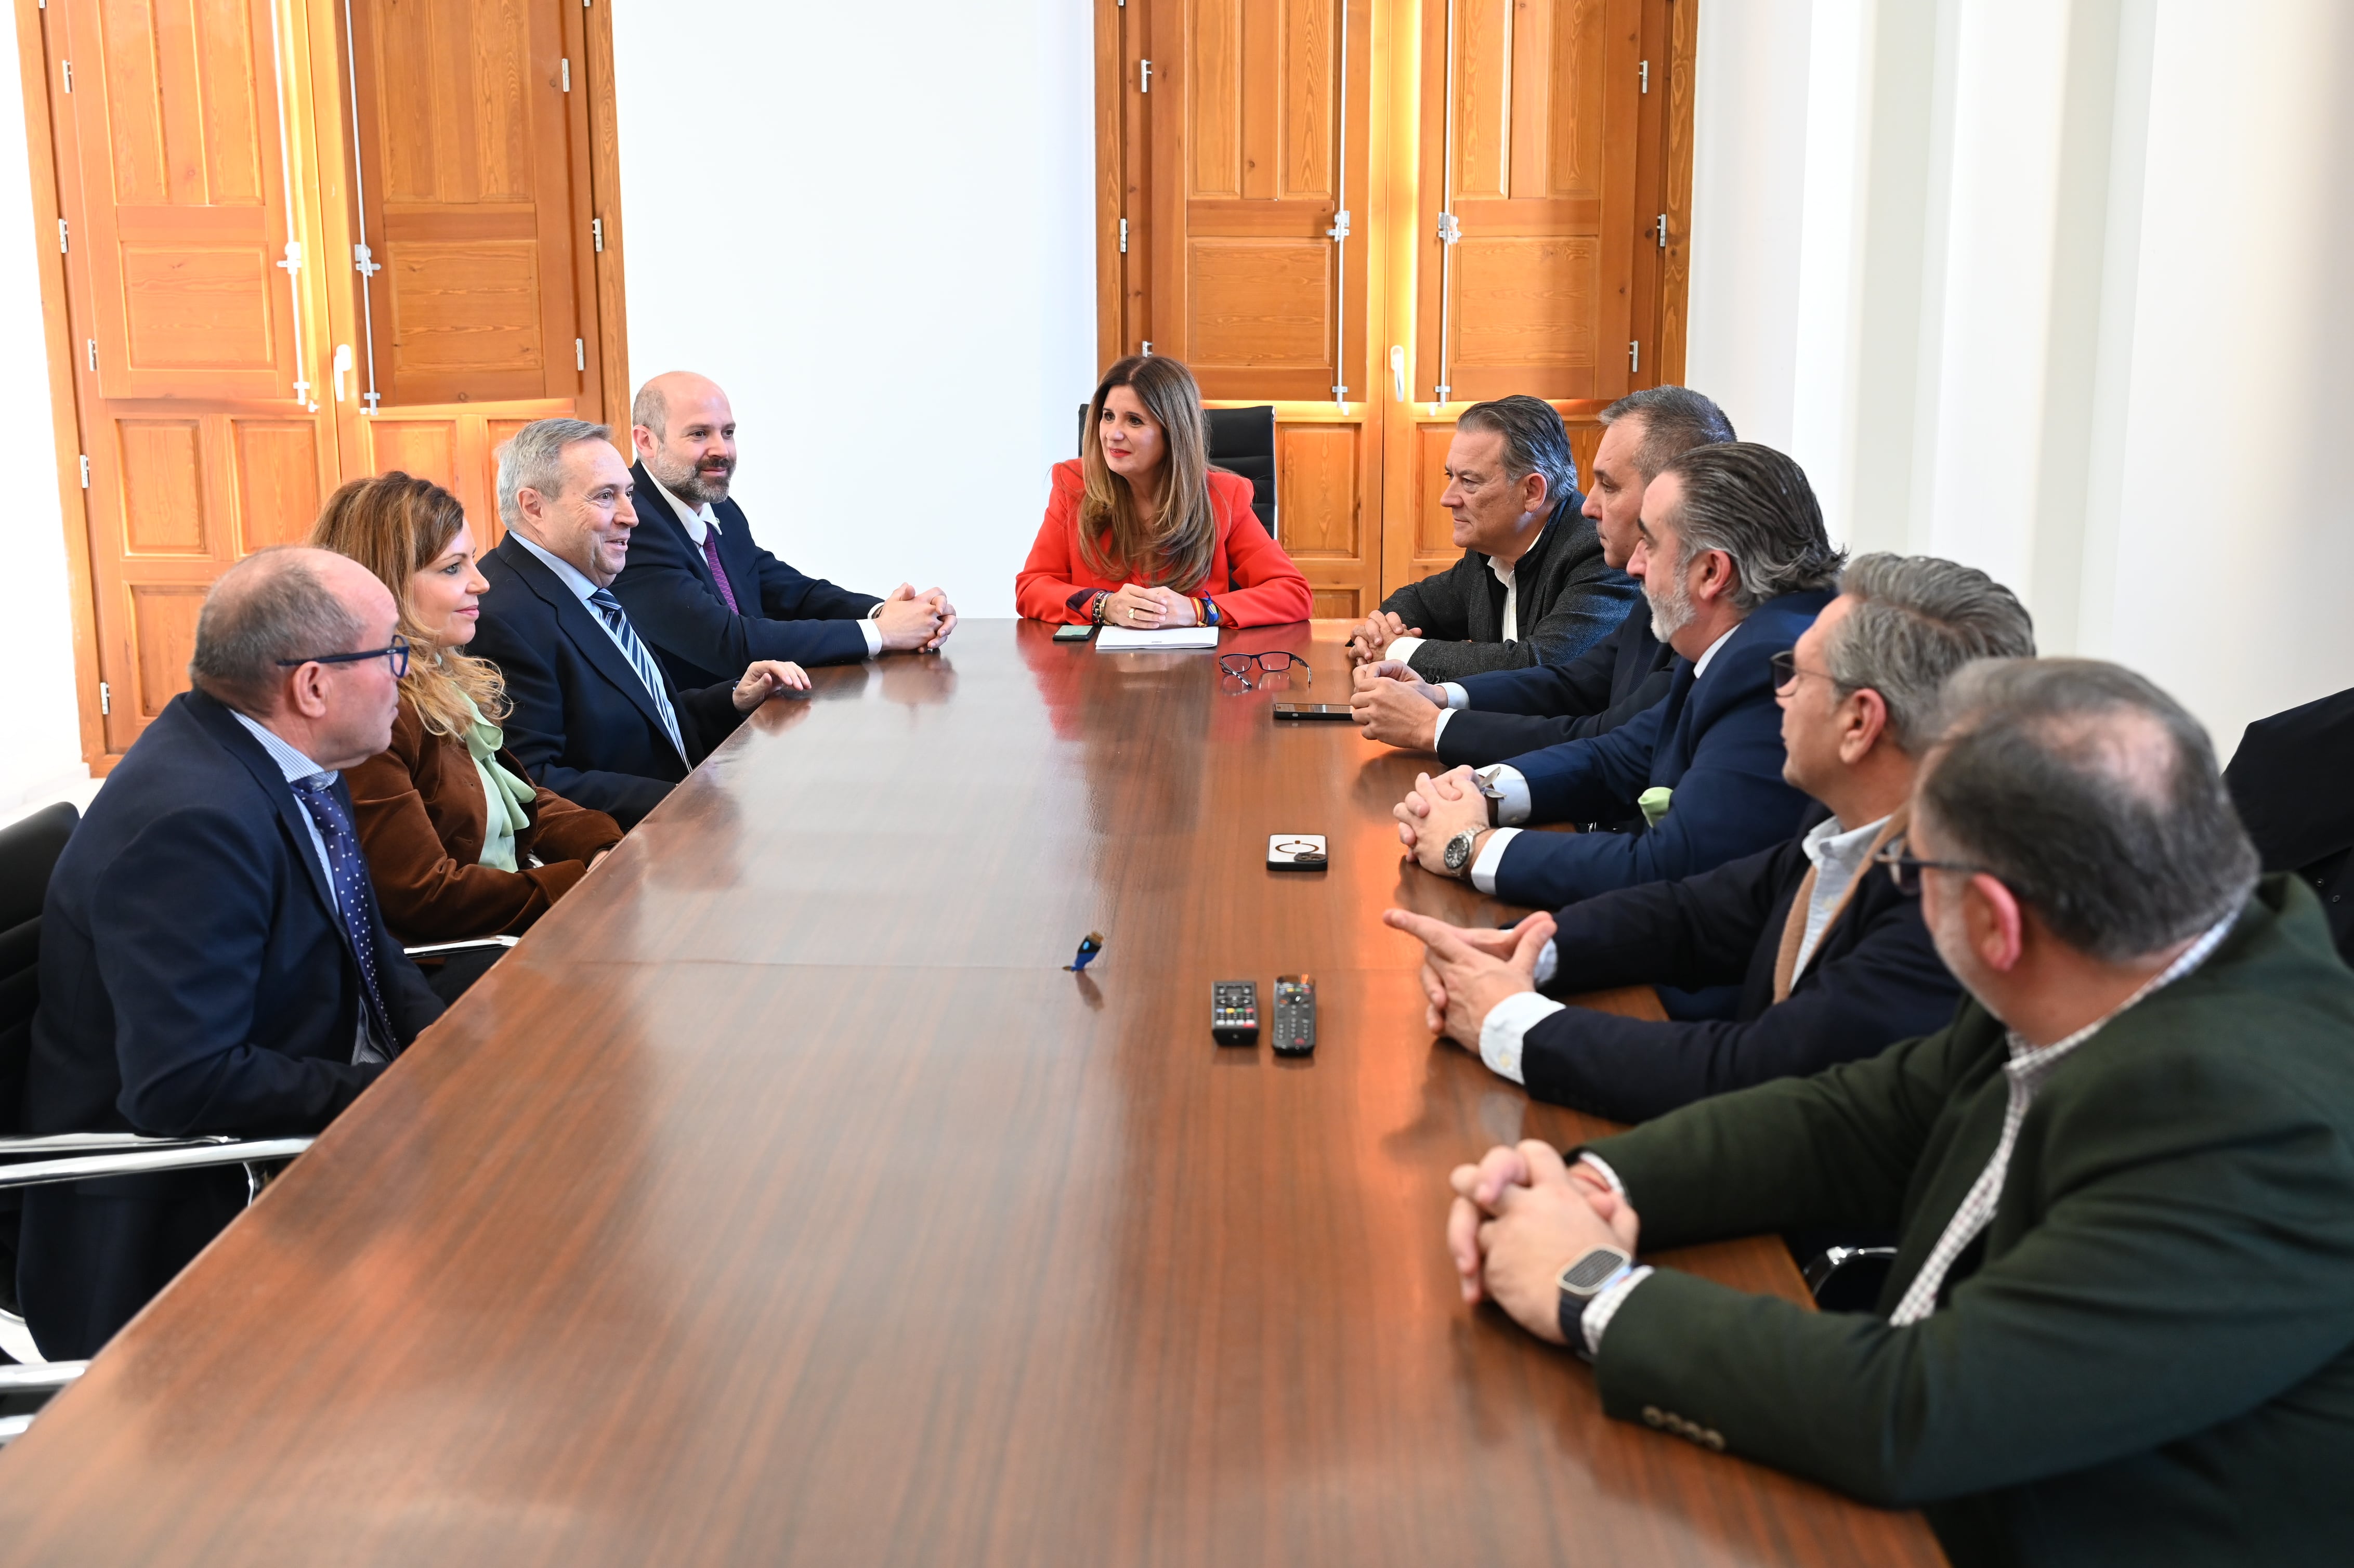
{"points": [[1459, 850], [1484, 781], [1579, 1282]]}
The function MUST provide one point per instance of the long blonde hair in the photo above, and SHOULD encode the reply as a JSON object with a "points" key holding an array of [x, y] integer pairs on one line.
{"points": [[396, 526], [1112, 542]]}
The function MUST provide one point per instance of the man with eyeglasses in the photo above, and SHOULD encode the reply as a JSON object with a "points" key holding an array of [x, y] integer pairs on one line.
{"points": [[212, 956], [2115, 1328], [1832, 959]]}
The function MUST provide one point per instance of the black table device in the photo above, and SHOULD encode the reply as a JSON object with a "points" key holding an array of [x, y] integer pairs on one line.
{"points": [[1295, 1014], [1327, 712], [1074, 634], [1233, 1012]]}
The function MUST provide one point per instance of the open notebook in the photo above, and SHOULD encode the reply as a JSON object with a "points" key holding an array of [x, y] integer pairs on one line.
{"points": [[1114, 640]]}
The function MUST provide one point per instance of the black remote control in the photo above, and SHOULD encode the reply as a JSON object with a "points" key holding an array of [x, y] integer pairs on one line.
{"points": [[1295, 1014], [1233, 1012]]}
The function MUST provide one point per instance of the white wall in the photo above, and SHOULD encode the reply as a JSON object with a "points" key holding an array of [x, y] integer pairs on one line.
{"points": [[873, 226], [2051, 286], [42, 753]]}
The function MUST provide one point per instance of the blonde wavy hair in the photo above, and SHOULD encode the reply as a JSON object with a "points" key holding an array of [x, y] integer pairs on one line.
{"points": [[1177, 550], [396, 525]]}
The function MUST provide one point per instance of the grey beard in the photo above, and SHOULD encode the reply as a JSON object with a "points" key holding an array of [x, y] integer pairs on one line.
{"points": [[1671, 613]]}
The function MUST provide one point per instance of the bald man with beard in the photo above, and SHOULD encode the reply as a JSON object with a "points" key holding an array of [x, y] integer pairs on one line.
{"points": [[697, 586]]}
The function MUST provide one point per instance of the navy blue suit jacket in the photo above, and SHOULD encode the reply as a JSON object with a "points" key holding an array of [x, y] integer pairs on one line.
{"points": [[1516, 711], [667, 589], [583, 721], [1873, 979], [195, 979], [1715, 740]]}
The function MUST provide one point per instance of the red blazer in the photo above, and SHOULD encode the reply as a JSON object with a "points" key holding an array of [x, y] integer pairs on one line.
{"points": [[1252, 581]]}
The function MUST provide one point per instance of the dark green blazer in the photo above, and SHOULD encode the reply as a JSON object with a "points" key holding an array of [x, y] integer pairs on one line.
{"points": [[2147, 1358]]}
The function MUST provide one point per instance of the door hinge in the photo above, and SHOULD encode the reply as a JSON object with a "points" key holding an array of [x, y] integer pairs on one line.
{"points": [[85, 470], [1144, 75], [1663, 231], [597, 233], [1634, 356], [61, 236], [568, 76], [1449, 232], [105, 698], [66, 67], [94, 352], [1645, 71], [1340, 230], [579, 355], [1123, 237], [1148, 348]]}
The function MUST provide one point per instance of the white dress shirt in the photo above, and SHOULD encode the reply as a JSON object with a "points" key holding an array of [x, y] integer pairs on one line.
{"points": [[701, 521], [1514, 807]]}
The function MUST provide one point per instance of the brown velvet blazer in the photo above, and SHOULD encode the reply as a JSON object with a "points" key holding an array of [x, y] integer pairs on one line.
{"points": [[422, 820]]}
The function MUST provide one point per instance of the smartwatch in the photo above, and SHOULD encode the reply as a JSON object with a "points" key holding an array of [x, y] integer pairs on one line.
{"points": [[1580, 1281], [1459, 850]]}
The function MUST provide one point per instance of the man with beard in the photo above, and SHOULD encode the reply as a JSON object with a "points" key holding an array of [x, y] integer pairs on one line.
{"points": [[1733, 559], [698, 588]]}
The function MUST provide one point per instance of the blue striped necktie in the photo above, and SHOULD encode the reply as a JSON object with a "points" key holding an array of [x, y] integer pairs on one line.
{"points": [[643, 659]]}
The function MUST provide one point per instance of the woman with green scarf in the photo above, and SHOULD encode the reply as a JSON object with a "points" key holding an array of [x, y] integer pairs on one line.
{"points": [[460, 843]]}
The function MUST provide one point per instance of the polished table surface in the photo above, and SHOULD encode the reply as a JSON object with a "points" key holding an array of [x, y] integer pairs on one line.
{"points": [[782, 1200]]}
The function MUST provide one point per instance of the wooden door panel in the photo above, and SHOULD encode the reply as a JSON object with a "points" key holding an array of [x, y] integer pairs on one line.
{"points": [[278, 465], [467, 169], [1323, 523], [163, 630], [162, 489]]}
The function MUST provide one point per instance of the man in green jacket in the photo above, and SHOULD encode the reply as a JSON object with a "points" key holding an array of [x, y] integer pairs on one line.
{"points": [[2120, 1323]]}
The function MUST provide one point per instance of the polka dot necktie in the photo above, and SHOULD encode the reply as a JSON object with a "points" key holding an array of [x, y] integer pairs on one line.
{"points": [[354, 896]]}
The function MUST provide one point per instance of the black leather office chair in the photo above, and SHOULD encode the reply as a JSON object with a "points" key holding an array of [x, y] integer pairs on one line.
{"points": [[28, 853], [1242, 440], [2288, 783]]}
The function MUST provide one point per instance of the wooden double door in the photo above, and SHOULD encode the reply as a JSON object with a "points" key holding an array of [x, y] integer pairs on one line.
{"points": [[1372, 213], [301, 241]]}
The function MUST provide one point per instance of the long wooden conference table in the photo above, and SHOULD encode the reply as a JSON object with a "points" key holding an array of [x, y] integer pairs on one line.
{"points": [[782, 1199]]}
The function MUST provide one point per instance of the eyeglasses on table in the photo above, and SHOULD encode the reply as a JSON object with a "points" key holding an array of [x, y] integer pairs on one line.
{"points": [[1239, 665]]}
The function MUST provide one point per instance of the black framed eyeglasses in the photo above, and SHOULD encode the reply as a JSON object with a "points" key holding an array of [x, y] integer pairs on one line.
{"points": [[397, 654], [1784, 666], [1238, 665], [1905, 870]]}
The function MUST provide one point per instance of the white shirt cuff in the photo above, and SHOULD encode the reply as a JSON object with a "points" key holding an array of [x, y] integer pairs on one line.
{"points": [[1438, 727], [1457, 698], [1507, 1025], [872, 633], [1402, 647], [1548, 964], [1605, 1307], [1514, 807], [1491, 856]]}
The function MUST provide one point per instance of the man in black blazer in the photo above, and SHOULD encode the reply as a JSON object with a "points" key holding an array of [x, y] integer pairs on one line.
{"points": [[595, 717], [1831, 956], [1488, 717], [709, 598], [2122, 1180], [1533, 585], [2288, 781], [212, 956]]}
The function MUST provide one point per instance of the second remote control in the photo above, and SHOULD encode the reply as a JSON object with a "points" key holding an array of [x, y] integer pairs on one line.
{"points": [[1233, 1012], [1295, 1014]]}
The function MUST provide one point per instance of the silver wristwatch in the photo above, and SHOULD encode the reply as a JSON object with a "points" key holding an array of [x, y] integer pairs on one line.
{"points": [[1458, 850]]}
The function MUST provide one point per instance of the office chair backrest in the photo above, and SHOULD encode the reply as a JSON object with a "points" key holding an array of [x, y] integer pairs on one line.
{"points": [[28, 852], [1242, 442]]}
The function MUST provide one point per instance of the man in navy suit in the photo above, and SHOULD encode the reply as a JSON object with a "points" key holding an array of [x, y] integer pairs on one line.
{"points": [[595, 717], [1736, 565], [212, 956], [709, 598], [1487, 717], [1831, 955]]}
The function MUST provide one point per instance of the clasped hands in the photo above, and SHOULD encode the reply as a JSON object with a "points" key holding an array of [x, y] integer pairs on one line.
{"points": [[1395, 705], [1376, 632], [1434, 812], [919, 621], [1520, 1215], [1141, 608]]}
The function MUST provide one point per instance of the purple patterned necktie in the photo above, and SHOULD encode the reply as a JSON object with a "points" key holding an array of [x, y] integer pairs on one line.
{"points": [[719, 572]]}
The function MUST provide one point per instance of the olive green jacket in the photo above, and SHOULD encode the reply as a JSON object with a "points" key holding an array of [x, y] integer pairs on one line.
{"points": [[2149, 1355]]}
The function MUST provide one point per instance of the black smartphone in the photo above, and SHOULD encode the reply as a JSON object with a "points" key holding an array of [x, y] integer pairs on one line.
{"points": [[1326, 712], [1074, 634]]}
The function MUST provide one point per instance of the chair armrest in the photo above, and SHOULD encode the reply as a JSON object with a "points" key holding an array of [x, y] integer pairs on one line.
{"points": [[102, 1143], [146, 1161], [473, 945], [46, 1376]]}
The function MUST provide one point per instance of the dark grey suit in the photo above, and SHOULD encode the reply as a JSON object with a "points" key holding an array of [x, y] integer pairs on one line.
{"points": [[1567, 598]]}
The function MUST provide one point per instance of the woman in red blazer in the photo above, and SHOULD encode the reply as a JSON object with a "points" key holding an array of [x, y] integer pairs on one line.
{"points": [[1142, 532]]}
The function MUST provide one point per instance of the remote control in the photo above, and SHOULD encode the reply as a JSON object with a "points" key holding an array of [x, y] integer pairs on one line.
{"points": [[1295, 1014], [1233, 1012]]}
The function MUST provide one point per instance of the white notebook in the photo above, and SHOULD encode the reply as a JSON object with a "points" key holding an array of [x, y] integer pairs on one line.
{"points": [[1117, 640]]}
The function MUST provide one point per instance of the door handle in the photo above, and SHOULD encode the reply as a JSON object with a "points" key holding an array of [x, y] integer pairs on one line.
{"points": [[342, 364], [1397, 370]]}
